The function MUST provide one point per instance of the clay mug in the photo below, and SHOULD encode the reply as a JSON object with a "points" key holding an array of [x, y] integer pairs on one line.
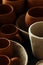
{"points": [[6, 47], [36, 39], [17, 4], [7, 14], [8, 31], [34, 14], [32, 3], [5, 60]]}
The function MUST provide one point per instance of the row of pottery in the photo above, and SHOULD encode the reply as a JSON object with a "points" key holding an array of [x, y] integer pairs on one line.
{"points": [[12, 53]]}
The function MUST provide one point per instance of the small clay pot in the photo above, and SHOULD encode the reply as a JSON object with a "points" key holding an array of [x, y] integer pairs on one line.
{"points": [[6, 47], [8, 31], [7, 14], [32, 3], [34, 14], [17, 4]]}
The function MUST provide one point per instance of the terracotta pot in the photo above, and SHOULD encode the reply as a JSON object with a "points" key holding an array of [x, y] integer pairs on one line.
{"points": [[7, 14], [8, 31], [32, 3], [6, 47], [18, 5], [34, 14]]}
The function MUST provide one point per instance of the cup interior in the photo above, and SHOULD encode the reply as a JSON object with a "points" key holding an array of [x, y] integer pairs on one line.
{"points": [[5, 9], [4, 60], [37, 29], [36, 12], [8, 29], [3, 43]]}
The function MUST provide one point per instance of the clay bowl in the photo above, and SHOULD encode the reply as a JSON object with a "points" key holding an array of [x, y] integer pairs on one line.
{"points": [[7, 14], [17, 4], [34, 14], [8, 31], [32, 3]]}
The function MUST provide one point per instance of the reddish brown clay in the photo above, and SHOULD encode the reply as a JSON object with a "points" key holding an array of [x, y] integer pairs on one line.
{"points": [[18, 5], [34, 14], [6, 47], [7, 14], [8, 31]]}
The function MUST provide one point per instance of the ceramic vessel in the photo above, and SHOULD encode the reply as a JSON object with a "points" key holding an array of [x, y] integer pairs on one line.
{"points": [[7, 14], [34, 14], [8, 31], [17, 4], [32, 3], [35, 32], [5, 47]]}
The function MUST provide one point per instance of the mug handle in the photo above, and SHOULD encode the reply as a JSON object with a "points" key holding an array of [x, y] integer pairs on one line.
{"points": [[15, 61]]}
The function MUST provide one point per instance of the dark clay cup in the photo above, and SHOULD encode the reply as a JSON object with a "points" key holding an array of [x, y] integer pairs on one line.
{"points": [[8, 31], [7, 14], [17, 4], [5, 47], [34, 14]]}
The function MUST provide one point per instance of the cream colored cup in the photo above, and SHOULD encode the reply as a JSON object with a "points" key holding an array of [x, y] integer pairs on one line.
{"points": [[36, 38], [6, 47]]}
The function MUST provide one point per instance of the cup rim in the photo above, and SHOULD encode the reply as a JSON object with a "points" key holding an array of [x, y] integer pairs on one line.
{"points": [[10, 33], [39, 62], [7, 41], [7, 58], [11, 7], [29, 30], [33, 8]]}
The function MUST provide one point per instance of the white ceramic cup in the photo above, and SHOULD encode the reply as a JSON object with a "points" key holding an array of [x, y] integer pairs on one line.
{"points": [[36, 38]]}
